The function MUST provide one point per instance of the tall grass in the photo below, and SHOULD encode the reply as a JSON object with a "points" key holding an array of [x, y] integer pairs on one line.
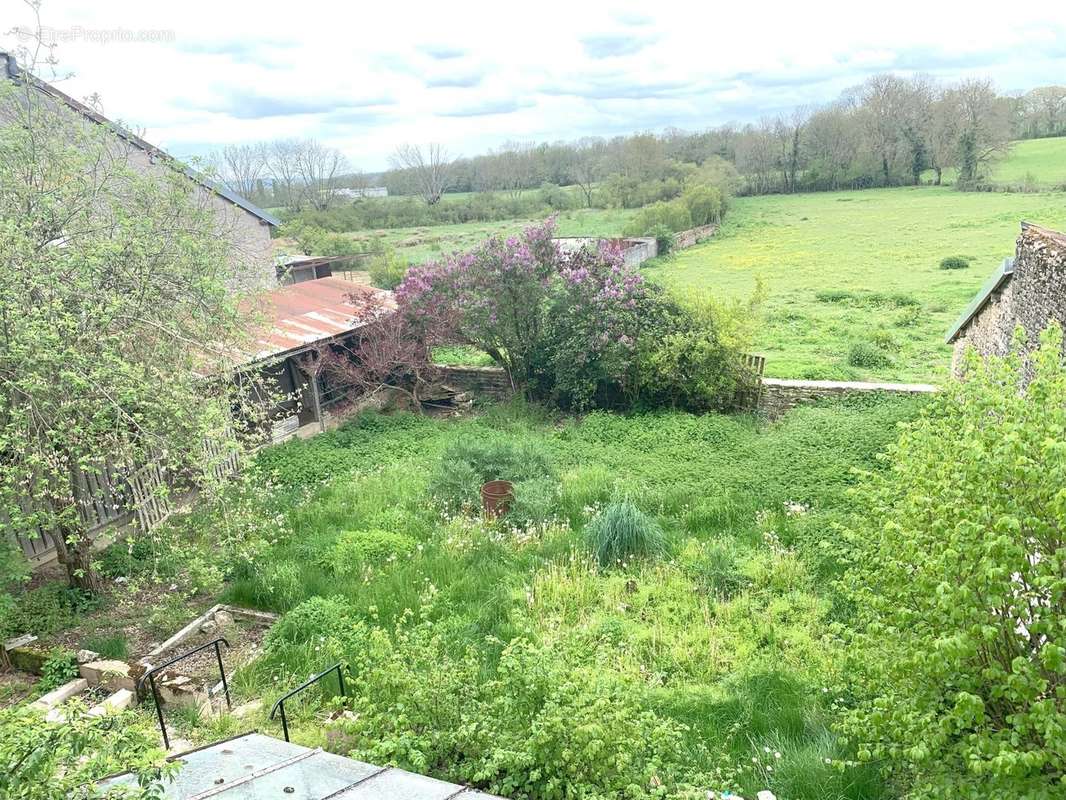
{"points": [[724, 631], [622, 532]]}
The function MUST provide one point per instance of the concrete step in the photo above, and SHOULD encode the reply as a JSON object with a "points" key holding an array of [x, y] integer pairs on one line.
{"points": [[120, 700], [60, 695]]}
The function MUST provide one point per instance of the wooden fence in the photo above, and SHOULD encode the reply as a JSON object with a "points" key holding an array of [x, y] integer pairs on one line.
{"points": [[748, 396], [108, 495]]}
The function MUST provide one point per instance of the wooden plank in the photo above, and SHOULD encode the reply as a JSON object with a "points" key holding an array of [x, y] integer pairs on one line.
{"points": [[19, 641]]}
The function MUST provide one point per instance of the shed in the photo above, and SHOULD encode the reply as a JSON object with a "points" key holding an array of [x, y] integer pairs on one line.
{"points": [[296, 319]]}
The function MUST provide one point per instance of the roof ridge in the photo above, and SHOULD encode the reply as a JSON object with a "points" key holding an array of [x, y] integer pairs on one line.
{"points": [[14, 72]]}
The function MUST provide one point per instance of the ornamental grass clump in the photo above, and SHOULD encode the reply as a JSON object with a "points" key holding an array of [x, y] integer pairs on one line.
{"points": [[622, 532]]}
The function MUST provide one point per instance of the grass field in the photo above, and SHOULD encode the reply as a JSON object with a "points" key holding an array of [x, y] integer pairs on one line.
{"points": [[842, 267], [1036, 162], [1042, 159], [418, 245]]}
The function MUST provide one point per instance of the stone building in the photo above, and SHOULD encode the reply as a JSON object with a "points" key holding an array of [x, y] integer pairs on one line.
{"points": [[245, 227], [1028, 290]]}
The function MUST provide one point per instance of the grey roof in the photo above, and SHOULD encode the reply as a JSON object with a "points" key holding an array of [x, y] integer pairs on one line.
{"points": [[12, 71], [995, 281], [257, 766]]}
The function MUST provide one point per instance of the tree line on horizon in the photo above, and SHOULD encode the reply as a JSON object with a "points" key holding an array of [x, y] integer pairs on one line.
{"points": [[888, 131]]}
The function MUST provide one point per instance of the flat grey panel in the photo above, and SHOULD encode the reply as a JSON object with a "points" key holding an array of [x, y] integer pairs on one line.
{"points": [[226, 760], [257, 767], [396, 784], [312, 778]]}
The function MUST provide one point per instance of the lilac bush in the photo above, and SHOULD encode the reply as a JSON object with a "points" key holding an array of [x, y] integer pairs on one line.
{"points": [[572, 328], [492, 297]]}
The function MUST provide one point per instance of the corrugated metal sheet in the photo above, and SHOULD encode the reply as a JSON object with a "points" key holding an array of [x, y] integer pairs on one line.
{"points": [[257, 766], [303, 314]]}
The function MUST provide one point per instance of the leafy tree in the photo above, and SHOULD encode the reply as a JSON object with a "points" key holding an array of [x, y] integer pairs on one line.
{"points": [[569, 328], [387, 268], [562, 326], [958, 589], [704, 204], [593, 321], [117, 296], [492, 297], [59, 761], [694, 358], [674, 216], [311, 240]]}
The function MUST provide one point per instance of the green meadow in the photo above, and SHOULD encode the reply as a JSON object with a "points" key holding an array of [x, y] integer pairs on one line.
{"points": [[1039, 163], [840, 268], [427, 243]]}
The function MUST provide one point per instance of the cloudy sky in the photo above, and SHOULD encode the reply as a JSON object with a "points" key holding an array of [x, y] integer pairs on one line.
{"points": [[363, 76]]}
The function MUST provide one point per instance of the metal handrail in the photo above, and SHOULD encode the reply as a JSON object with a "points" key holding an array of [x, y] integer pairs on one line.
{"points": [[151, 673], [281, 702]]}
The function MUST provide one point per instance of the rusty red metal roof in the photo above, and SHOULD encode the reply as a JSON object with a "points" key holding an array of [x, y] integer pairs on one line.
{"points": [[304, 314]]}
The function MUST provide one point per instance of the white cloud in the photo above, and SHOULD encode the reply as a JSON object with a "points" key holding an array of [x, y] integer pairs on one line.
{"points": [[365, 76]]}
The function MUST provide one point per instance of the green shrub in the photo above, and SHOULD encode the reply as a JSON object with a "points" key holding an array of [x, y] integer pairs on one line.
{"points": [[884, 340], [308, 638], [714, 569], [867, 355], [908, 317], [664, 238], [528, 726], [955, 578], [833, 295], [127, 556], [674, 216], [456, 486], [704, 204], [61, 667], [897, 299], [310, 621], [622, 532], [469, 461], [109, 646], [535, 501], [46, 609], [556, 197], [954, 262], [387, 269], [357, 550]]}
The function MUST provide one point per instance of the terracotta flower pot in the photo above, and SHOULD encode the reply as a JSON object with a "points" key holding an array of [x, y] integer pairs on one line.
{"points": [[496, 497]]}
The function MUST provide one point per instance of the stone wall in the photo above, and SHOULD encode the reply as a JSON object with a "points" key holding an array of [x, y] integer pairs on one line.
{"points": [[776, 396], [639, 249], [1034, 295], [484, 383], [692, 236], [779, 395], [635, 249]]}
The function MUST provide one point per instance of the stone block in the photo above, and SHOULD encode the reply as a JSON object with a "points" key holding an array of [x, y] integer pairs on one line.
{"points": [[110, 674], [60, 695], [120, 700], [248, 709]]}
